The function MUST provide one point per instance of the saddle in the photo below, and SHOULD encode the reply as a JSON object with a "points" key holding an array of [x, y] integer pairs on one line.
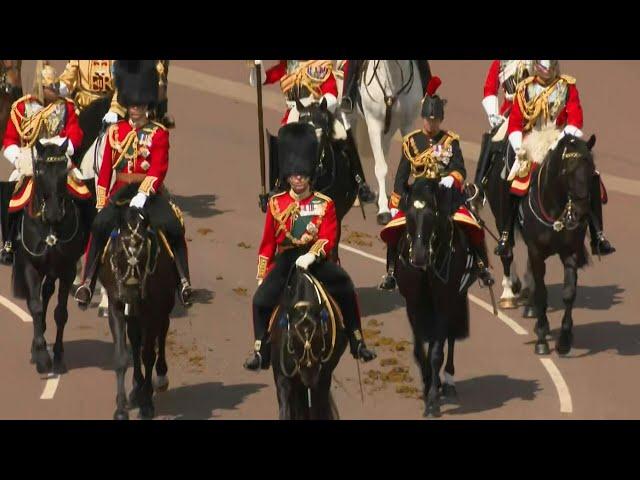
{"points": [[24, 190]]}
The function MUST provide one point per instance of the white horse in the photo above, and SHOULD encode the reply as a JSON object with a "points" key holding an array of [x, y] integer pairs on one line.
{"points": [[90, 166], [391, 92]]}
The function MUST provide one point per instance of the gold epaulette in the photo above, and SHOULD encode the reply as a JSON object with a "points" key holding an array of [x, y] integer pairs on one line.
{"points": [[409, 135], [24, 98], [454, 136], [569, 79], [160, 126], [322, 197], [273, 203]]}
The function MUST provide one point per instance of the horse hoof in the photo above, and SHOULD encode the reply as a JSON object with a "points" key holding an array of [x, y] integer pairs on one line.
{"points": [[161, 384], [103, 312], [529, 312], [43, 361], [384, 218], [388, 283], [366, 195], [525, 296], [121, 415], [432, 410], [516, 287], [563, 345], [542, 348], [147, 412], [59, 368], [507, 303], [449, 393]]}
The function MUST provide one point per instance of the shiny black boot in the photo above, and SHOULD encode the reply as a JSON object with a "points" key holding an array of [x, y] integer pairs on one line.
{"points": [[388, 282], [482, 262], [599, 244], [84, 293], [185, 291], [349, 92]]}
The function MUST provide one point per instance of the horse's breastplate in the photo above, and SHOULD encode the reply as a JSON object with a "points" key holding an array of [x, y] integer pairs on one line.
{"points": [[511, 73], [555, 100]]}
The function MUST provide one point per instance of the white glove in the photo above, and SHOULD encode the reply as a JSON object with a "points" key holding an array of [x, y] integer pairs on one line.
{"points": [[63, 90], [260, 280], [110, 117], [12, 153], [304, 261], [393, 212], [139, 200], [516, 165], [490, 105], [447, 181], [515, 139], [571, 130], [495, 120]]}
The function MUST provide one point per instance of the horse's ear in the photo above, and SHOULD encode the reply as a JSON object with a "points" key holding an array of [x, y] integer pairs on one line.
{"points": [[323, 104], [63, 148], [299, 105], [39, 149], [591, 142]]}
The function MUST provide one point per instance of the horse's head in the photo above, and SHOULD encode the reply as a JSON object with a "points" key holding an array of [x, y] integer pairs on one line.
{"points": [[423, 212], [130, 256], [305, 346], [50, 177], [318, 115], [573, 167]]}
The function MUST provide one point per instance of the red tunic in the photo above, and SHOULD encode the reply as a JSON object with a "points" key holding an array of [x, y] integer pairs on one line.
{"points": [[492, 85], [137, 155], [292, 223], [70, 130]]}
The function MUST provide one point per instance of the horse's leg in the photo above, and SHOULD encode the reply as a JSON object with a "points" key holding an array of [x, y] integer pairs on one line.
{"points": [[149, 336], [35, 295], [61, 315], [449, 387], [418, 349], [528, 287], [510, 284], [103, 308], [563, 345], [135, 337], [283, 388], [161, 383], [541, 329], [380, 145], [120, 360], [436, 358]]}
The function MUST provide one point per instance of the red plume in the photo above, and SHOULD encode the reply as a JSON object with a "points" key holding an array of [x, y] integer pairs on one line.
{"points": [[433, 85]]}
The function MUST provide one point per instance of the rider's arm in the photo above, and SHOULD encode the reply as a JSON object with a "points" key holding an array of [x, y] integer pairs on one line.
{"points": [[456, 165], [268, 245], [70, 75], [11, 135], [72, 128], [491, 89], [327, 232], [401, 182], [159, 160], [329, 91], [104, 175], [516, 124]]}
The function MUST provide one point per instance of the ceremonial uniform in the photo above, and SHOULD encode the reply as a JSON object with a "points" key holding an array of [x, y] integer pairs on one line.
{"points": [[136, 155], [32, 119], [88, 81], [305, 80], [436, 157], [540, 103], [300, 227]]}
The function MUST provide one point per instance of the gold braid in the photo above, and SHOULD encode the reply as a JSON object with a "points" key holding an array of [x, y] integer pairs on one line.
{"points": [[122, 147], [300, 77], [531, 110], [29, 127], [424, 164]]}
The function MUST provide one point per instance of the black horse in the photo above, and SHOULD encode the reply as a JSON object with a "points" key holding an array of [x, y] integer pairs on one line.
{"points": [[434, 272], [307, 342], [139, 276], [90, 121], [334, 176], [52, 236], [555, 216]]}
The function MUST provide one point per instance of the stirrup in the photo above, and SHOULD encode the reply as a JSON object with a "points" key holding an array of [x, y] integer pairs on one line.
{"points": [[503, 245], [346, 105], [185, 292], [83, 303]]}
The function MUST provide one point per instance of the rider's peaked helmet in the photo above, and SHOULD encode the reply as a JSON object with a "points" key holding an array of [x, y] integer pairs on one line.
{"points": [[432, 104], [546, 69]]}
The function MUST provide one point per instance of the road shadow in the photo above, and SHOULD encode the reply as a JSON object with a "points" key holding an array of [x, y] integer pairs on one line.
{"points": [[592, 298], [376, 302], [198, 402], [600, 337], [198, 206], [201, 296], [88, 354], [490, 392]]}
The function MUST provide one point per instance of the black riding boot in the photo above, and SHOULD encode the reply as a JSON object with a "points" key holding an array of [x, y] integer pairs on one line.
{"points": [[182, 265], [349, 90], [261, 355], [8, 222], [482, 261], [84, 293], [364, 191], [505, 244], [599, 244], [484, 161], [351, 315], [389, 280]]}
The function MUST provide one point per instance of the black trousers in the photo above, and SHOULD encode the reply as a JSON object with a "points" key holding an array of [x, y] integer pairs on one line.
{"points": [[334, 278]]}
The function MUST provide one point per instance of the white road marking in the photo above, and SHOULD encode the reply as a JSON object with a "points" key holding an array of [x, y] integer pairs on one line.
{"points": [[15, 309], [50, 387], [566, 405]]}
